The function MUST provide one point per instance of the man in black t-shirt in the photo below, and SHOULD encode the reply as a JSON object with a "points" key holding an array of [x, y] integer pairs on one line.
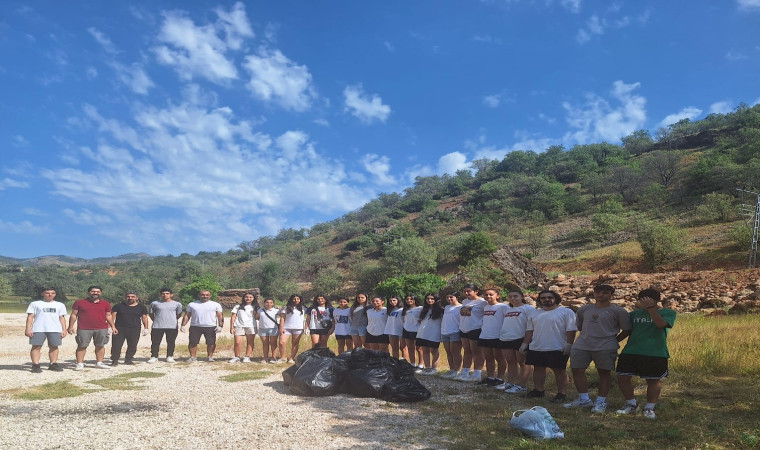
{"points": [[127, 317]]}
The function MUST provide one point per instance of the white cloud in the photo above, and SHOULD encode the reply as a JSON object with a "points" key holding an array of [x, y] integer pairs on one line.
{"points": [[722, 107], [24, 227], [365, 107], [756, 102], [275, 78], [690, 112], [379, 167], [34, 212], [200, 51], [749, 5], [103, 40], [599, 120], [19, 141], [389, 46], [6, 183], [322, 122], [91, 73], [573, 6], [134, 77], [452, 162], [547, 119], [732, 55], [492, 101]]}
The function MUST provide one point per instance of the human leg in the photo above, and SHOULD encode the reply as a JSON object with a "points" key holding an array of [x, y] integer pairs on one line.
{"points": [[34, 354], [250, 341], [295, 341], [133, 337], [156, 335], [238, 345], [394, 346], [488, 356], [171, 340]]}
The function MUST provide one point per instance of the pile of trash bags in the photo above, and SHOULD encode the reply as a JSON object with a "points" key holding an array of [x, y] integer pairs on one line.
{"points": [[360, 372]]}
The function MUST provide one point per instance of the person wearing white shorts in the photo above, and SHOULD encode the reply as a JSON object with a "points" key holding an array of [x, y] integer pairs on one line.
{"points": [[268, 329], [243, 327], [291, 324]]}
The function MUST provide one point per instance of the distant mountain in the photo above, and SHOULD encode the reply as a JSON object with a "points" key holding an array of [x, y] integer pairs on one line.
{"points": [[68, 261]]}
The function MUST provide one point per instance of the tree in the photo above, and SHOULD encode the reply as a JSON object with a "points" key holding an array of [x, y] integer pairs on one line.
{"points": [[662, 166], [409, 256], [626, 181], [474, 246], [637, 142], [716, 207], [205, 282], [414, 284], [5, 286], [661, 243], [328, 281], [31, 281]]}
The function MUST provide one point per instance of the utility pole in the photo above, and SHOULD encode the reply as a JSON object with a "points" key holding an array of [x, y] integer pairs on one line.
{"points": [[749, 208]]}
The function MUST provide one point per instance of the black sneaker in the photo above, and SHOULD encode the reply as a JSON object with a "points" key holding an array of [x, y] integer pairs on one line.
{"points": [[115, 362], [559, 398], [36, 368], [485, 381], [129, 362], [494, 381], [535, 394], [55, 367]]}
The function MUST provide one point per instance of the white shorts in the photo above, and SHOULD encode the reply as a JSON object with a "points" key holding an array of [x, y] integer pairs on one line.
{"points": [[242, 331], [295, 331]]}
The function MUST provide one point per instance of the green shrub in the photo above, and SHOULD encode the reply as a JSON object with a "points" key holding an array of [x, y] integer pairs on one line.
{"points": [[661, 243], [474, 246], [205, 282], [416, 284]]}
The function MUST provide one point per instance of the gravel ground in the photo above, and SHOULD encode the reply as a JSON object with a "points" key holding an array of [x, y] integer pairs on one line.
{"points": [[189, 406]]}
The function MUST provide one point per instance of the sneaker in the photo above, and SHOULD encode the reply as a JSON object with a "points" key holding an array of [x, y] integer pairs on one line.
{"points": [[494, 382], [627, 409], [79, 366], [599, 408], [101, 365], [115, 362], [559, 398], [428, 371], [280, 361], [416, 369], [578, 403], [649, 413], [450, 374], [211, 359], [503, 386], [169, 359], [55, 367], [192, 359], [246, 359], [515, 389], [234, 360], [36, 368], [290, 361], [535, 394], [474, 378], [461, 376], [152, 360], [129, 362]]}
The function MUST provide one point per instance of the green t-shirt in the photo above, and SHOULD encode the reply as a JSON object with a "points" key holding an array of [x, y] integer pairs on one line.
{"points": [[646, 339]]}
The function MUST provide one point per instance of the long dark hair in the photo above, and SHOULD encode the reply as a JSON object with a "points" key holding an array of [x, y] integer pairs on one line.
{"points": [[390, 308], [416, 303], [290, 306], [436, 311], [314, 303], [356, 304], [254, 303]]}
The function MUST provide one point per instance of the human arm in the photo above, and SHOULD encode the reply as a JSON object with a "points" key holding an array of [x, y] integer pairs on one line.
{"points": [[185, 319], [282, 324], [110, 318], [145, 324], [62, 318], [526, 342], [220, 321], [570, 338], [29, 322], [650, 306], [72, 320], [233, 316]]}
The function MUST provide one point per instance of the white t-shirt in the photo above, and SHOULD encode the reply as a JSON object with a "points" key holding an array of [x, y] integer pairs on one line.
{"points": [[266, 322], [451, 319], [430, 329], [394, 325], [412, 319], [475, 319], [515, 322], [493, 319], [376, 321], [47, 316], [550, 329], [244, 316], [342, 327], [293, 320], [203, 314]]}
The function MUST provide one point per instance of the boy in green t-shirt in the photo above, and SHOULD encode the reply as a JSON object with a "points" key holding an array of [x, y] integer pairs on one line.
{"points": [[646, 353]]}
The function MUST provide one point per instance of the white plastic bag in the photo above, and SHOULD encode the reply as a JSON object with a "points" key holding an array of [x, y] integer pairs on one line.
{"points": [[536, 422]]}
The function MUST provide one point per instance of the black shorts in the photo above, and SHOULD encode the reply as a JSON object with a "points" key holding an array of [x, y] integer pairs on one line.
{"points": [[342, 337], [208, 333], [372, 339], [318, 332], [647, 367], [425, 343], [472, 335], [512, 345], [489, 343], [409, 334], [552, 359]]}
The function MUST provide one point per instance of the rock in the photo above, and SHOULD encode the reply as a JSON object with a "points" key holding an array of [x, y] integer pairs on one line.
{"points": [[524, 273]]}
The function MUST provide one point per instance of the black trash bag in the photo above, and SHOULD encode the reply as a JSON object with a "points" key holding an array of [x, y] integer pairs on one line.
{"points": [[287, 375], [362, 358], [319, 351], [367, 382], [401, 368], [318, 377], [405, 389]]}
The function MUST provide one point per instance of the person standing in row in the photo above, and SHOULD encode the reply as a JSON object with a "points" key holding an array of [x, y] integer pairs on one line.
{"points": [[164, 313], [45, 320], [243, 327], [127, 317], [342, 327], [206, 319], [321, 321], [377, 317], [470, 327], [429, 334], [410, 315], [489, 343], [268, 329], [394, 327], [357, 318], [93, 318], [291, 324], [452, 343], [511, 337]]}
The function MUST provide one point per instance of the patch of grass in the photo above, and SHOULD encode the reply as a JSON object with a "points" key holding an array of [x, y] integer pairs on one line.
{"points": [[246, 376], [49, 391], [125, 382]]}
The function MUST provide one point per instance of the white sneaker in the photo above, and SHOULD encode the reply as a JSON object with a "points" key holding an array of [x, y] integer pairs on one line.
{"points": [[290, 361], [503, 386], [578, 403], [450, 374], [246, 359], [211, 359], [102, 365], [599, 407], [152, 360], [515, 389], [79, 366], [474, 378], [462, 376], [627, 409], [234, 360], [279, 361], [169, 359], [428, 371], [192, 359], [649, 413]]}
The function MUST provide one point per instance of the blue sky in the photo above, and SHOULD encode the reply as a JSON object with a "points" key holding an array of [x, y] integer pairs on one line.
{"points": [[180, 126]]}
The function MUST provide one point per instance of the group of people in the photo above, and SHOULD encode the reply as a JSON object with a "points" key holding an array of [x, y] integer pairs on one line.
{"points": [[511, 339]]}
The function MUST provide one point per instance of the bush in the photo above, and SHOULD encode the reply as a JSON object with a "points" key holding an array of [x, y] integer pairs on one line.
{"points": [[661, 243], [716, 207], [205, 282], [416, 284], [474, 246], [740, 235], [604, 225], [363, 242]]}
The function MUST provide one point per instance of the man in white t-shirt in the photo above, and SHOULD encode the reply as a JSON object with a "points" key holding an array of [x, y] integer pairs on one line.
{"points": [[45, 320], [206, 319]]}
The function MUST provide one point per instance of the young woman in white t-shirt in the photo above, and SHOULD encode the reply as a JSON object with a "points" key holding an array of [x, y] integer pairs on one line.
{"points": [[470, 327], [320, 320], [342, 327], [452, 343], [394, 326], [291, 324], [376, 319], [489, 343], [268, 329], [429, 333], [243, 327], [410, 315], [511, 337]]}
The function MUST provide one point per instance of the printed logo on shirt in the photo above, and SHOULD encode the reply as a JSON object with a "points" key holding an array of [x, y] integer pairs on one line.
{"points": [[513, 314], [50, 310], [342, 319], [642, 320], [489, 313]]}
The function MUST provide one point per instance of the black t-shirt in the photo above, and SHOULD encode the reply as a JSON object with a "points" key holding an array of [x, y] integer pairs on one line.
{"points": [[129, 316]]}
